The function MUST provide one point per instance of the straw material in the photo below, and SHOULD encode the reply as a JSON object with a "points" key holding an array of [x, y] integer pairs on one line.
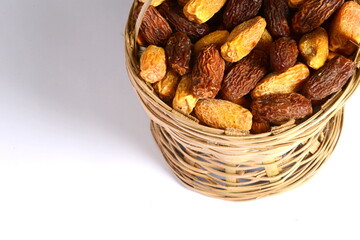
{"points": [[229, 164]]}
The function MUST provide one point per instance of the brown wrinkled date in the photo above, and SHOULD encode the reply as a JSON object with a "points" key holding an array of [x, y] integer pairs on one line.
{"points": [[238, 11], [181, 24], [277, 15], [313, 13], [208, 73], [178, 51], [281, 107], [244, 75], [154, 29], [329, 79], [245, 64], [283, 54]]}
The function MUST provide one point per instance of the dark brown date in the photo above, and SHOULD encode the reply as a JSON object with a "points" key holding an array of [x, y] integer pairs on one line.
{"points": [[277, 15], [313, 13], [208, 72], [329, 79], [238, 11], [244, 75], [178, 51], [283, 54], [281, 107], [154, 28], [181, 24]]}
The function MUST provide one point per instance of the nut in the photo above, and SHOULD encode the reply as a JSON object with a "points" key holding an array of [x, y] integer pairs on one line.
{"points": [[178, 51], [154, 28], [166, 87], [218, 37], [314, 47], [289, 81], [153, 64], [200, 11], [223, 114], [244, 75], [281, 107], [238, 11], [184, 100], [330, 78], [277, 14], [208, 73], [345, 28], [283, 54], [243, 39], [313, 13]]}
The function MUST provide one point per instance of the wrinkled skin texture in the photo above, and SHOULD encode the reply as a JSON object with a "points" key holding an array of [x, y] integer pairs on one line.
{"points": [[178, 51], [223, 114], [329, 79], [181, 24], [154, 29], [153, 64], [277, 15], [289, 81], [243, 39], [313, 13], [345, 28], [184, 100], [283, 54], [208, 73], [238, 11], [281, 107], [244, 75], [200, 11], [314, 47]]}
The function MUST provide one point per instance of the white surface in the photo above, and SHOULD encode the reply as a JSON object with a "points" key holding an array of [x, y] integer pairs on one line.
{"points": [[77, 160]]}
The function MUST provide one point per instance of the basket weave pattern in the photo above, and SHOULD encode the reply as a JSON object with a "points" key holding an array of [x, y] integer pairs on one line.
{"points": [[228, 164]]}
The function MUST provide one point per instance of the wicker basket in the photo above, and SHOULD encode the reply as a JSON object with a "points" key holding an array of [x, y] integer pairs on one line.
{"points": [[227, 164]]}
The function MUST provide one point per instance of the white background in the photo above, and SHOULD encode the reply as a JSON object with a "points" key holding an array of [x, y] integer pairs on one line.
{"points": [[77, 160]]}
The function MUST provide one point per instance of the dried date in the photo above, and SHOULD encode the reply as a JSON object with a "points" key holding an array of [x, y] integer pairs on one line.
{"points": [[281, 107], [329, 79], [313, 13], [277, 15], [178, 51], [238, 11], [208, 73], [154, 28], [244, 75], [283, 54], [181, 24]]}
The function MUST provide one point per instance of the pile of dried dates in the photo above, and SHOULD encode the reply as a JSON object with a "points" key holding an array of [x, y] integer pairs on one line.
{"points": [[248, 64]]}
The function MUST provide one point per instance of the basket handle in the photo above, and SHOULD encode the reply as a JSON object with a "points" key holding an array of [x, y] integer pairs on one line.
{"points": [[141, 16]]}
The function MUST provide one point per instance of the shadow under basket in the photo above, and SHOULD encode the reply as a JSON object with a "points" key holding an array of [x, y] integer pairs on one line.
{"points": [[231, 165]]}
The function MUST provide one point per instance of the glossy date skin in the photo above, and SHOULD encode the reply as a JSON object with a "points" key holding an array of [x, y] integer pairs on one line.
{"points": [[208, 73], [283, 54], [330, 78], [244, 75], [154, 29], [313, 13], [281, 107], [277, 15], [181, 24], [238, 11], [178, 51]]}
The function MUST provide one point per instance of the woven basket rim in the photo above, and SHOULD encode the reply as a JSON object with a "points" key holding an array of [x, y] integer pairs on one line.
{"points": [[326, 112]]}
